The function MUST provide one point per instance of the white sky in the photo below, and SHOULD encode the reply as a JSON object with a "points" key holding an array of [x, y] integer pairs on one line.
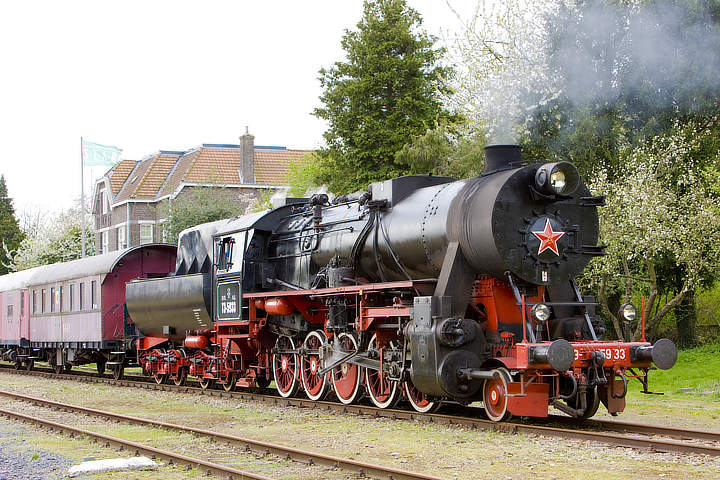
{"points": [[149, 75]]}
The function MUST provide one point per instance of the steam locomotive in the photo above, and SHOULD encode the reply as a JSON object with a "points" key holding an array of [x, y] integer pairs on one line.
{"points": [[422, 287]]}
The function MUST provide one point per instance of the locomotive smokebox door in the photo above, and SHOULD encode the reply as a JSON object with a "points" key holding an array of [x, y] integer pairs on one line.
{"points": [[228, 300]]}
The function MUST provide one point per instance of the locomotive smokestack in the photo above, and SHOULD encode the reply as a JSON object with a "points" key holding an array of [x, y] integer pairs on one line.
{"points": [[501, 157]]}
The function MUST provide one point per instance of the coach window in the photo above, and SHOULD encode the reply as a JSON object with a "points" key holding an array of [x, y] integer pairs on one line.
{"points": [[34, 300], [10, 301], [61, 295], [81, 296], [72, 297], [93, 294], [42, 301], [52, 299], [22, 303]]}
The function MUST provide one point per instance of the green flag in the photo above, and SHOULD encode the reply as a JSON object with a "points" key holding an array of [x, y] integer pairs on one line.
{"points": [[94, 154]]}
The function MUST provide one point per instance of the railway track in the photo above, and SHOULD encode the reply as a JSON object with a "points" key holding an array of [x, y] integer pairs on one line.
{"points": [[137, 448], [617, 433], [289, 453]]}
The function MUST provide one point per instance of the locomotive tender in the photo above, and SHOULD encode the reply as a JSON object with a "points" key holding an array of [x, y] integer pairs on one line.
{"points": [[422, 287]]}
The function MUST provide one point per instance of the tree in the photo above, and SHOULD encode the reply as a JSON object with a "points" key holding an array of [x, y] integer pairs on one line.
{"points": [[52, 239], [444, 151], [662, 214], [503, 74], [386, 91], [10, 233], [201, 205]]}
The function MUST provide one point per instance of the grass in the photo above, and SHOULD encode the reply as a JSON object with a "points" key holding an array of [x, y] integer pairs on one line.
{"points": [[697, 368]]}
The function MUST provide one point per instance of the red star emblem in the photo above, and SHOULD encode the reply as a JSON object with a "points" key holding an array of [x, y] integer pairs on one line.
{"points": [[548, 238]]}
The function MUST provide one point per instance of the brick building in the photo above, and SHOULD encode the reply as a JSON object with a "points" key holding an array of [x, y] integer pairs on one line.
{"points": [[126, 199]]}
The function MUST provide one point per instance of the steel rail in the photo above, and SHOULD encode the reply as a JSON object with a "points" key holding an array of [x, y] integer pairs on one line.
{"points": [[578, 431], [138, 448], [289, 453], [623, 426]]}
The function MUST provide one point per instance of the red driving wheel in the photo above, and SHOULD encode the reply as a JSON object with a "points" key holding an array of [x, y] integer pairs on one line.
{"points": [[384, 393], [285, 366], [346, 376], [316, 386]]}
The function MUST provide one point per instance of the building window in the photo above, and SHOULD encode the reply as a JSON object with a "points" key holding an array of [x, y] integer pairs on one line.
{"points": [[81, 296], [72, 297], [104, 202], [42, 301], [93, 294], [146, 233], [121, 237], [104, 242]]}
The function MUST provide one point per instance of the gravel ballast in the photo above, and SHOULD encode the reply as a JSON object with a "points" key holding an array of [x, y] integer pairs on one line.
{"points": [[21, 461]]}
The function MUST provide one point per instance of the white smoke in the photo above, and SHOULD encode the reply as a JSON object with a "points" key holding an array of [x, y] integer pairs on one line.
{"points": [[661, 53]]}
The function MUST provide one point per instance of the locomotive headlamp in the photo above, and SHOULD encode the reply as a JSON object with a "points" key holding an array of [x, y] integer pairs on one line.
{"points": [[628, 312], [541, 312], [561, 178], [557, 181]]}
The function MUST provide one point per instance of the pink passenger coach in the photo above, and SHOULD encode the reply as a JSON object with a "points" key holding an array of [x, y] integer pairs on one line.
{"points": [[74, 313]]}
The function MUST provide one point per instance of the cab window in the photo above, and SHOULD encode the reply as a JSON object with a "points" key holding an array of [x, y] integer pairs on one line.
{"points": [[225, 252]]}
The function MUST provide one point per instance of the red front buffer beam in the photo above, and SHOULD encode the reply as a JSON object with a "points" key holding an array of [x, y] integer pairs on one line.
{"points": [[560, 355]]}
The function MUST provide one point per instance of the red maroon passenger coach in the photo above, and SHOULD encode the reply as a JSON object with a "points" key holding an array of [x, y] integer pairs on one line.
{"points": [[74, 313]]}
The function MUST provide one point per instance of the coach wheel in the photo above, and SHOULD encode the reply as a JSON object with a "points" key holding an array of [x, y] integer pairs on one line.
{"points": [[17, 365], [117, 371], [68, 367], [346, 377], [495, 397], [57, 368], [418, 399], [206, 383], [384, 393], [29, 364], [316, 386], [230, 382], [285, 367], [181, 378], [593, 402], [100, 366], [160, 378]]}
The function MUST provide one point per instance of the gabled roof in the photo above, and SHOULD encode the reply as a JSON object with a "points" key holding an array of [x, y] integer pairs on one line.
{"points": [[272, 166], [154, 178], [119, 173], [162, 173]]}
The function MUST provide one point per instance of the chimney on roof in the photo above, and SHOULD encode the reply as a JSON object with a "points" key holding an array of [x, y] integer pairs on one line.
{"points": [[247, 152]]}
